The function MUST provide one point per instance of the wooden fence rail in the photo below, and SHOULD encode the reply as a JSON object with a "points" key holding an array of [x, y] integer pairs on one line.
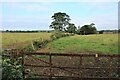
{"points": [[113, 64]]}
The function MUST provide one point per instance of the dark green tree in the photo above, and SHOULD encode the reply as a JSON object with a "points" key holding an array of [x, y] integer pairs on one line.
{"points": [[60, 20], [101, 32], [78, 30], [119, 31], [88, 29], [71, 28], [93, 28]]}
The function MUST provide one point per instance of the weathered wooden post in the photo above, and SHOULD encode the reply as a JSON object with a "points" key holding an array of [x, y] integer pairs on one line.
{"points": [[96, 64], [23, 65], [50, 61], [80, 66], [110, 66]]}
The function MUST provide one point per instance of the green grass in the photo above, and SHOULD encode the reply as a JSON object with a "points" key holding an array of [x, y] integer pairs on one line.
{"points": [[21, 38], [104, 43]]}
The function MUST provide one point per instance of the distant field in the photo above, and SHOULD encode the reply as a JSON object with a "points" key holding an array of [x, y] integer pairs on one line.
{"points": [[103, 43], [17, 39]]}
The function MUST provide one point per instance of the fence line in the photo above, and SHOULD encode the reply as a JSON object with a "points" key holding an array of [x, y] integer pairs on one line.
{"points": [[80, 75], [75, 54]]}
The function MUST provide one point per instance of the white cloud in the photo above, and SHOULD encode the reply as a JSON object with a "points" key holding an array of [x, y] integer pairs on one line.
{"points": [[103, 21]]}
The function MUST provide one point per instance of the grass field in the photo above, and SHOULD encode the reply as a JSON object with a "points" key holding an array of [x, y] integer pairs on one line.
{"points": [[14, 39], [103, 43]]}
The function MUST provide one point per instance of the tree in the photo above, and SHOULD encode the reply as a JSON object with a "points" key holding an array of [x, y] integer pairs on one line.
{"points": [[60, 20], [7, 30], [71, 28], [119, 31], [78, 30], [93, 28], [101, 32], [88, 29], [84, 29]]}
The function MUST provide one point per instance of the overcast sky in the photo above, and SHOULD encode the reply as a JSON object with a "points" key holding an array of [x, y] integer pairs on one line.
{"points": [[34, 15]]}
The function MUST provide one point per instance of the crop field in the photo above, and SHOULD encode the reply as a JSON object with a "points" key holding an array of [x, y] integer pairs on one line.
{"points": [[100, 43], [19, 39]]}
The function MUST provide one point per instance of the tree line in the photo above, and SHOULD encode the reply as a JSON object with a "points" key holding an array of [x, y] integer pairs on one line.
{"points": [[61, 22], [28, 31]]}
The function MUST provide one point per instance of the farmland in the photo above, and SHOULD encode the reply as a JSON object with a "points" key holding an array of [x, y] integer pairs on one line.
{"points": [[13, 39], [100, 43], [97, 43], [103, 43]]}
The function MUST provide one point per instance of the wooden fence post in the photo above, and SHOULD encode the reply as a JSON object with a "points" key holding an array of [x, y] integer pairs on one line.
{"points": [[110, 66], [96, 65], [50, 67], [32, 45], [80, 66], [23, 66]]}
